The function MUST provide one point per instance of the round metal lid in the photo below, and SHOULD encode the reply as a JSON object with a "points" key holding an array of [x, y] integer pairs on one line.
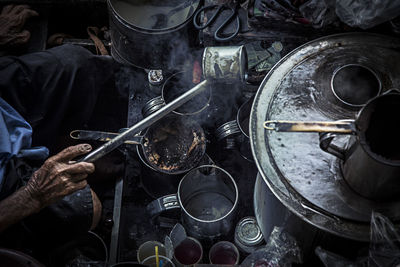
{"points": [[248, 236], [248, 232], [297, 171]]}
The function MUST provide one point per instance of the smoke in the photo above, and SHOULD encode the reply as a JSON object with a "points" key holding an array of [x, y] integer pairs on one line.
{"points": [[180, 54]]}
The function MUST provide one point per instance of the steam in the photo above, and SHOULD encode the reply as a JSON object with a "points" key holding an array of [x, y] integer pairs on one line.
{"points": [[355, 84]]}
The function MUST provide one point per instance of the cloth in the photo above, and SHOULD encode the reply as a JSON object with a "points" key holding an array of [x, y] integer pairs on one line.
{"points": [[55, 91], [15, 139]]}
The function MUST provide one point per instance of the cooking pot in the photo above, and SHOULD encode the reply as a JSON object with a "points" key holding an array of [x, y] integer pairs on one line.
{"points": [[173, 145], [305, 179], [152, 34]]}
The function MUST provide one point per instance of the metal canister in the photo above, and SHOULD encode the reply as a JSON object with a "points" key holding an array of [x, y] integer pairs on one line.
{"points": [[248, 236], [225, 62], [156, 79]]}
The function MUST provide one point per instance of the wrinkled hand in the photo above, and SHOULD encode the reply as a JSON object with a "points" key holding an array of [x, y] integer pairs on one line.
{"points": [[59, 177], [12, 21]]}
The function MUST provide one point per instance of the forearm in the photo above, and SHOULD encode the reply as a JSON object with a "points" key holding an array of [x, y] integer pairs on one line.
{"points": [[16, 207]]}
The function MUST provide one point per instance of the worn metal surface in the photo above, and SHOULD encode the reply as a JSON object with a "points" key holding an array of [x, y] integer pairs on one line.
{"points": [[306, 179], [227, 62]]}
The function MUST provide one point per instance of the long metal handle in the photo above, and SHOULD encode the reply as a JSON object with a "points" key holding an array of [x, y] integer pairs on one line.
{"points": [[102, 136], [143, 124], [345, 126]]}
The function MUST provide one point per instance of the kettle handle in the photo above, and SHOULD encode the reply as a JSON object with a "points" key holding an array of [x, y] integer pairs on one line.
{"points": [[158, 206], [325, 143], [326, 138]]}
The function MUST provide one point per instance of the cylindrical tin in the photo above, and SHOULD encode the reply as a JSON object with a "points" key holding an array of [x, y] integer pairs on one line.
{"points": [[248, 236], [228, 63]]}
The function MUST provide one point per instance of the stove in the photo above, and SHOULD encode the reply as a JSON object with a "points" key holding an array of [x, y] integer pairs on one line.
{"points": [[141, 185]]}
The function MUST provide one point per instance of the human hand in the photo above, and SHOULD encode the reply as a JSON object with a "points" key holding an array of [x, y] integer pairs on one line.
{"points": [[12, 21], [59, 177]]}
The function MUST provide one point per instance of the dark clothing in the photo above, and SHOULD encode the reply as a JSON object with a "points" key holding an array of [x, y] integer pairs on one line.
{"points": [[55, 91]]}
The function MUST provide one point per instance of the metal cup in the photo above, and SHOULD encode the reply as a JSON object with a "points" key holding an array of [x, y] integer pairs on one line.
{"points": [[237, 131], [179, 83], [173, 87], [188, 253], [208, 197], [243, 119], [224, 253], [147, 249]]}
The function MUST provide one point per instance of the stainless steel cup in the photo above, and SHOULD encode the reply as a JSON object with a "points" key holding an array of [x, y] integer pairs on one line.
{"points": [[224, 253], [208, 196]]}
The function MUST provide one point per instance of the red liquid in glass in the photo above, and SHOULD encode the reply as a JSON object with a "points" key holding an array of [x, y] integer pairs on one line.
{"points": [[188, 252], [223, 256]]}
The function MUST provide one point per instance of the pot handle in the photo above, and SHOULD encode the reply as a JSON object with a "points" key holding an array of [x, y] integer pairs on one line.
{"points": [[325, 143], [158, 206], [102, 136], [341, 126], [227, 129], [326, 138]]}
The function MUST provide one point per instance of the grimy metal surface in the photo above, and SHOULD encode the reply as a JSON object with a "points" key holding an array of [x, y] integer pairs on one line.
{"points": [[303, 177]]}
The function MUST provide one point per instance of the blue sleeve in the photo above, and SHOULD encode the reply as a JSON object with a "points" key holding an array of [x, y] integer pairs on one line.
{"points": [[15, 138]]}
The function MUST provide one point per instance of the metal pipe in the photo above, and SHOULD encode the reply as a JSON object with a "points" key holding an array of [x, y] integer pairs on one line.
{"points": [[146, 122]]}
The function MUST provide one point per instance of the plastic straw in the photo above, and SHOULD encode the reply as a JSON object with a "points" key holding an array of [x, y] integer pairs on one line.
{"points": [[157, 258]]}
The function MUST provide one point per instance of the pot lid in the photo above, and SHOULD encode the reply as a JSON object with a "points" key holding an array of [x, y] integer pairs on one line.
{"points": [[298, 87], [153, 15]]}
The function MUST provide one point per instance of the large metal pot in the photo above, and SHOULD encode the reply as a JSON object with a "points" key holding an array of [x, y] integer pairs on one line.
{"points": [[271, 211], [151, 34], [307, 181]]}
